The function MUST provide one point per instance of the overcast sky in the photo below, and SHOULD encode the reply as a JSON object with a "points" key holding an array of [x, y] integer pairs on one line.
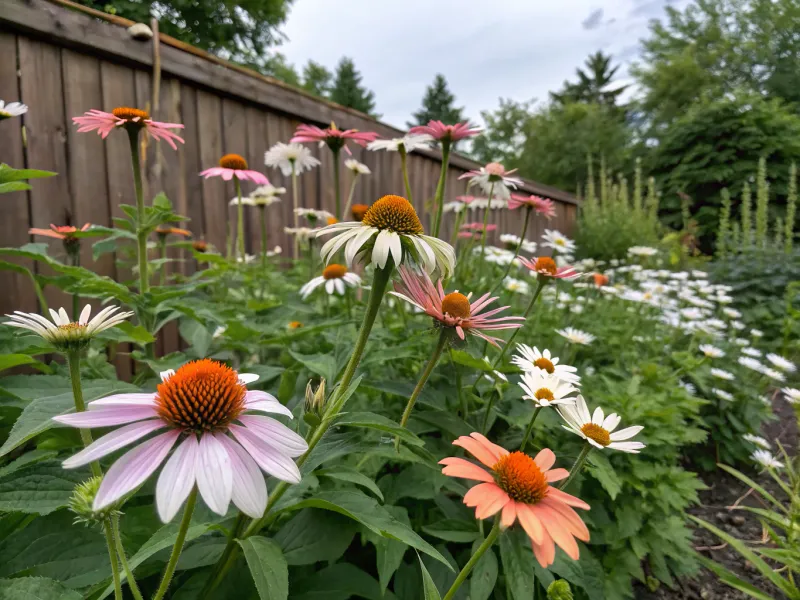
{"points": [[486, 49]]}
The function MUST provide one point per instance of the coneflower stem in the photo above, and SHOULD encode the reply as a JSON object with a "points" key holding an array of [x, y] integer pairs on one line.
{"points": [[295, 206], [488, 409], [76, 299], [112, 556], [141, 232], [74, 366], [401, 149], [486, 219], [438, 201], [539, 287], [350, 196], [528, 212], [123, 559], [457, 226], [163, 244], [336, 176], [239, 219], [462, 399], [528, 431], [423, 378], [178, 547], [263, 220], [462, 576], [577, 466]]}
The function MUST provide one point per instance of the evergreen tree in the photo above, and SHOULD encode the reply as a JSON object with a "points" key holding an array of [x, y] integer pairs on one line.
{"points": [[347, 88], [317, 79], [594, 85], [438, 104]]}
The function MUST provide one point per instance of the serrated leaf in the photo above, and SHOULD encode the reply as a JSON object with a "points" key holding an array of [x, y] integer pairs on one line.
{"points": [[267, 566], [41, 488]]}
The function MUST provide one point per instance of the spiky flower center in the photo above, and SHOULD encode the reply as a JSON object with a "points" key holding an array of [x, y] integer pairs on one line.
{"points": [[203, 395], [456, 305], [233, 161], [544, 364], [334, 271], [596, 433], [521, 478], [72, 328], [544, 394], [395, 214], [359, 210], [545, 264], [132, 115]]}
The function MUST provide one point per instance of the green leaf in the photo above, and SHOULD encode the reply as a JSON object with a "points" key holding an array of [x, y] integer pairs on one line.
{"points": [[517, 559], [37, 416], [267, 566], [390, 552], [324, 365], [484, 575], [36, 588], [732, 580], [8, 361], [40, 488], [600, 468], [450, 530], [380, 423], [428, 587], [8, 173], [341, 581], [446, 421], [314, 535], [13, 186], [372, 515], [467, 360], [347, 474], [128, 332], [26, 460], [196, 335], [745, 479]]}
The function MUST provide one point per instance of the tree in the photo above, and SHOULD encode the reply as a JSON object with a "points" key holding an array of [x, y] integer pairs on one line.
{"points": [[241, 31], [278, 67], [347, 89], [317, 79], [504, 135], [438, 104], [594, 86]]}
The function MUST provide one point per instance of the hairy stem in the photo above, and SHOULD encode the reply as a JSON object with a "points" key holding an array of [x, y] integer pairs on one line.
{"points": [[178, 547], [74, 365], [141, 232], [577, 466], [112, 556], [124, 559]]}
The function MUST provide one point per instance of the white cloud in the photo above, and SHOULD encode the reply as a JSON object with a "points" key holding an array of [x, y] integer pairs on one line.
{"points": [[522, 49]]}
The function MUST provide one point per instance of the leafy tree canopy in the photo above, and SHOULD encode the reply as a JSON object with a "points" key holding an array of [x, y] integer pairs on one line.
{"points": [[504, 135], [317, 79]]}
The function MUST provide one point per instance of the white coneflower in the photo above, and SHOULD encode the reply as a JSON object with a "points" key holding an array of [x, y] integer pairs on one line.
{"points": [[757, 440], [282, 156], [792, 395], [12, 109], [741, 342], [390, 227], [732, 313], [531, 359], [356, 167], [266, 195], [545, 389], [766, 459], [303, 234], [557, 241], [409, 142], [598, 429], [774, 374], [781, 363], [642, 251], [455, 206], [335, 278], [312, 214], [493, 179], [722, 374], [751, 363], [576, 336], [711, 351], [722, 394], [246, 259], [64, 333], [752, 352]]}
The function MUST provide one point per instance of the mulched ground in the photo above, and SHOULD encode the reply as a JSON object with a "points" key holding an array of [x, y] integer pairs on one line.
{"points": [[725, 491]]}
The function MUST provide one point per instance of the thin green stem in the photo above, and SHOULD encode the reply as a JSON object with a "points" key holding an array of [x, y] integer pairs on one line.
{"points": [[461, 396], [457, 226], [440, 187], [336, 178], [350, 195], [404, 168], [295, 206], [141, 232], [488, 409], [577, 466], [74, 365], [528, 212], [76, 298], [112, 556], [163, 245], [486, 219], [423, 378], [124, 559], [239, 219], [542, 283], [462, 576], [528, 431], [263, 221], [178, 547]]}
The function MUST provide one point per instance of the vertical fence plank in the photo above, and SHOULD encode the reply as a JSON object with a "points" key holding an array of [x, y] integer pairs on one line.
{"points": [[215, 206]]}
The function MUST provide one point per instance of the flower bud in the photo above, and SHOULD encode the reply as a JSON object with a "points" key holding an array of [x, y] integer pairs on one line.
{"points": [[315, 403], [559, 590], [82, 500]]}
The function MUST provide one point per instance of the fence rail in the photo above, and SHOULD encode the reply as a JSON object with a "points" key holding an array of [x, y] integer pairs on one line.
{"points": [[62, 62]]}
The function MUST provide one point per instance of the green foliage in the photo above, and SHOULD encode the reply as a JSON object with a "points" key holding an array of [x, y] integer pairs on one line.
{"points": [[438, 104], [348, 90], [504, 135], [317, 79], [13, 180], [723, 233], [593, 85], [791, 208]]}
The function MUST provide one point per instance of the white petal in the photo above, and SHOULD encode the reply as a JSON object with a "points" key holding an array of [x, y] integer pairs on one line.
{"points": [[214, 478], [249, 492], [626, 434], [396, 247], [380, 252], [246, 378], [84, 318], [354, 245], [167, 374], [269, 459], [597, 416], [329, 286], [176, 479]]}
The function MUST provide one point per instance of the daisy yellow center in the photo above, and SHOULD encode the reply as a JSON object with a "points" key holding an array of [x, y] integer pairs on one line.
{"points": [[233, 161], [456, 305], [596, 433], [332, 220], [72, 327], [544, 364], [129, 114], [359, 210], [393, 213], [295, 325], [521, 478], [334, 271], [545, 264], [560, 242], [544, 394], [203, 395]]}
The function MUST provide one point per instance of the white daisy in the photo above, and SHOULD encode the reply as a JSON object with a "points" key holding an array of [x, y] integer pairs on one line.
{"points": [[246, 259], [751, 363], [689, 387], [774, 374], [781, 363], [722, 374], [531, 359], [722, 394], [766, 459], [62, 332], [516, 285], [792, 395], [711, 351], [390, 227], [356, 167], [12, 109], [335, 278], [283, 156], [312, 214], [757, 333], [266, 195], [545, 389], [409, 142], [642, 251], [757, 440], [303, 233], [558, 241], [752, 352], [732, 313], [597, 429], [741, 342], [576, 336], [455, 206]]}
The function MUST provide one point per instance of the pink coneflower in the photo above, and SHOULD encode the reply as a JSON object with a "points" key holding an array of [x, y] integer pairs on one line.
{"points": [[478, 227], [519, 486], [105, 123], [542, 206], [59, 232], [546, 267], [466, 199], [449, 133], [204, 406], [454, 309], [334, 138], [468, 235], [233, 165], [493, 179]]}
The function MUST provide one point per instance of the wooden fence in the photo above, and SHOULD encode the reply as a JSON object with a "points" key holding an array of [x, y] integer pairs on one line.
{"points": [[62, 62]]}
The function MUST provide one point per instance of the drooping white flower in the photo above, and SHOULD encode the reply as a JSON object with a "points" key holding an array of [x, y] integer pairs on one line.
{"points": [[757, 440], [780, 362], [335, 278], [751, 363], [722, 394], [792, 395], [312, 214], [356, 167], [410, 142], [722, 374], [766, 459]]}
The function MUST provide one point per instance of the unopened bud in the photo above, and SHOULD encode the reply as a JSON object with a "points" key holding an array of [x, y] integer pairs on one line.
{"points": [[82, 500], [559, 590], [315, 403]]}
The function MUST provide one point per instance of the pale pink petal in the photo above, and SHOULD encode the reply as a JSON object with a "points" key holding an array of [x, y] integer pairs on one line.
{"points": [[249, 488], [123, 400], [458, 467], [107, 417], [112, 441], [177, 479], [556, 475], [269, 459], [214, 477], [275, 434]]}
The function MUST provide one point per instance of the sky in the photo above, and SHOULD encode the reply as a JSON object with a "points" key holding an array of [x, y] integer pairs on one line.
{"points": [[518, 49]]}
